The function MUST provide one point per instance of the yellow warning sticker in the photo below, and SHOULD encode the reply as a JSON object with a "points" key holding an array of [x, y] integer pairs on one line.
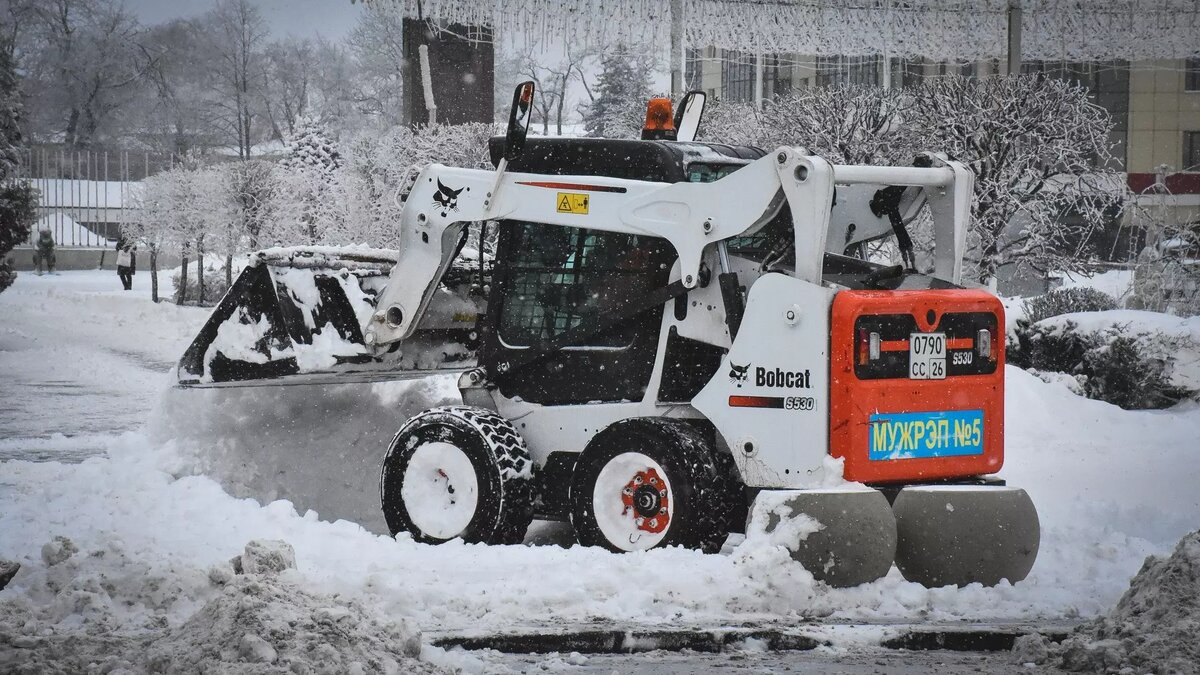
{"points": [[573, 202]]}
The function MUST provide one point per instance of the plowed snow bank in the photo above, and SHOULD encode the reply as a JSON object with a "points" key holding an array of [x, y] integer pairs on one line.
{"points": [[1154, 627]]}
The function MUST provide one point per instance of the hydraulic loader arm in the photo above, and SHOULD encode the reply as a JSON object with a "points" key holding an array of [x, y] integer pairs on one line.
{"points": [[688, 215], [691, 216]]}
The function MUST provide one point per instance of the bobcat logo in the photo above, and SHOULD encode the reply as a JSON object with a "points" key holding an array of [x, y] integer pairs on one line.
{"points": [[446, 198], [738, 374]]}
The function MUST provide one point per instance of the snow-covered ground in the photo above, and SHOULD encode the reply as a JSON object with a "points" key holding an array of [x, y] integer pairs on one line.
{"points": [[1111, 487]]}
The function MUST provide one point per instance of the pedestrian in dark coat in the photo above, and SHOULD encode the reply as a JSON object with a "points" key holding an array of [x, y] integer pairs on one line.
{"points": [[126, 265], [43, 251]]}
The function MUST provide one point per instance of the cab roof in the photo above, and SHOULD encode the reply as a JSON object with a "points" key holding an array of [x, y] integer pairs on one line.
{"points": [[656, 161]]}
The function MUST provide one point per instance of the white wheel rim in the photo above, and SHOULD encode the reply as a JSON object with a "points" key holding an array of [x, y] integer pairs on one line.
{"points": [[440, 490], [617, 522]]}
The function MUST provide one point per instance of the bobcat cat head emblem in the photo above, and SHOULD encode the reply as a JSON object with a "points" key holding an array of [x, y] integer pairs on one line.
{"points": [[446, 198], [738, 374]]}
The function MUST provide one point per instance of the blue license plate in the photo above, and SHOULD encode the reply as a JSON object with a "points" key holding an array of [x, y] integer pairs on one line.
{"points": [[952, 433]]}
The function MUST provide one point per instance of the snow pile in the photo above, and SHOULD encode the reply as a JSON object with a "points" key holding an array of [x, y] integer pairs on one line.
{"points": [[259, 620], [1154, 627], [102, 608]]}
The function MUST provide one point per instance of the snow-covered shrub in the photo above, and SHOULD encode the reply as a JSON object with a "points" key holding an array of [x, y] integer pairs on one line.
{"points": [[1119, 363], [1049, 348], [214, 286], [1067, 301], [1121, 372]]}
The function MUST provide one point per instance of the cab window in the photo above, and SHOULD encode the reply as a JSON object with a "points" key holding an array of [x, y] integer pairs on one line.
{"points": [[560, 278]]}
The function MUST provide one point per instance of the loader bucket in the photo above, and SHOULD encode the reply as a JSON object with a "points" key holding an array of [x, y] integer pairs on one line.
{"points": [[279, 397], [289, 311]]}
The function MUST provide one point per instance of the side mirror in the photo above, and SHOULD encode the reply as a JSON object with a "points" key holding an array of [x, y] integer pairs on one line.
{"points": [[518, 120], [688, 115]]}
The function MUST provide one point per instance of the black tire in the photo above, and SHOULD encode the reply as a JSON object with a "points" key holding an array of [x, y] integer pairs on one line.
{"points": [[700, 494], [502, 469]]}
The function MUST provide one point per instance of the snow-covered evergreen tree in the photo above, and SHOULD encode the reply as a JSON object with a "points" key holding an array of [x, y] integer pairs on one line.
{"points": [[622, 89], [311, 148], [17, 200], [10, 115]]}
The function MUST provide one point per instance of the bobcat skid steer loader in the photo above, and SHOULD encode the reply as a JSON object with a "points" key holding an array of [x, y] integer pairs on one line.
{"points": [[668, 345]]}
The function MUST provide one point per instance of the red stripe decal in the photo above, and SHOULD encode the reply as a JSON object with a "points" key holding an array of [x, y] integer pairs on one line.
{"points": [[571, 186], [755, 402]]}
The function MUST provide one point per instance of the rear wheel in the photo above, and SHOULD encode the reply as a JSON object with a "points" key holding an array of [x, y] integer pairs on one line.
{"points": [[648, 482], [458, 471]]}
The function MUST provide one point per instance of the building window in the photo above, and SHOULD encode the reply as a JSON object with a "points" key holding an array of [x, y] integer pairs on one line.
{"points": [[1192, 77], [693, 68], [907, 73], [780, 77], [1191, 151], [844, 70], [737, 77]]}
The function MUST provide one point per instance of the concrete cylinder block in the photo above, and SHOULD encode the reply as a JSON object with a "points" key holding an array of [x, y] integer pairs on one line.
{"points": [[857, 539], [962, 534]]}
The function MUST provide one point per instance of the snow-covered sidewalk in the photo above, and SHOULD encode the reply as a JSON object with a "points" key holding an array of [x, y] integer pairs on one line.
{"points": [[1111, 486]]}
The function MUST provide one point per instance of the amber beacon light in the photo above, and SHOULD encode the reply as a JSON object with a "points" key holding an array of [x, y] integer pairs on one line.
{"points": [[660, 123]]}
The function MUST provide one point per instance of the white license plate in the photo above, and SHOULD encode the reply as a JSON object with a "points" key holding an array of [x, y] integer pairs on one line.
{"points": [[927, 356]]}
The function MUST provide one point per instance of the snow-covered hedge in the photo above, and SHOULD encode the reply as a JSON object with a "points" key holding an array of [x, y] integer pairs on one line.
{"points": [[1067, 301], [1129, 358]]}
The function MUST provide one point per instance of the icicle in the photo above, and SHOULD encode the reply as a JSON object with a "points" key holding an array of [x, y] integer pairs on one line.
{"points": [[952, 30]]}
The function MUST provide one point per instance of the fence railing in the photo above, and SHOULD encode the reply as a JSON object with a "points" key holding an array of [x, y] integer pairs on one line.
{"points": [[85, 195]]}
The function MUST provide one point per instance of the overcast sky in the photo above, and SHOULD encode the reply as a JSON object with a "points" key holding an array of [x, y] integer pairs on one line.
{"points": [[306, 18]]}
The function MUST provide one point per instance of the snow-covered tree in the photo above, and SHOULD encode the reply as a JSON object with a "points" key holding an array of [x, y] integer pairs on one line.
{"points": [[1166, 275], [82, 62], [1039, 149], [251, 188], [621, 92], [363, 208], [10, 116], [307, 176], [845, 124], [150, 203], [185, 209], [311, 148], [1043, 164], [18, 201], [236, 32]]}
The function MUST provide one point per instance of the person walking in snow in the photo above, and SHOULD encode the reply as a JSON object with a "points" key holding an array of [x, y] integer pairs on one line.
{"points": [[43, 251], [126, 267]]}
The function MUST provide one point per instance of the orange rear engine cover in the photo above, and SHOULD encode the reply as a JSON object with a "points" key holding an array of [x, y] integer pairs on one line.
{"points": [[888, 421]]}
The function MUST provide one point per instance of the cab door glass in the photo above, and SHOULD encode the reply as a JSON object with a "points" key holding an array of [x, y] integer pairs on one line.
{"points": [[560, 278]]}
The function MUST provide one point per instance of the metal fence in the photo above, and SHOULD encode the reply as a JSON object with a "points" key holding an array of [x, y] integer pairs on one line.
{"points": [[85, 195]]}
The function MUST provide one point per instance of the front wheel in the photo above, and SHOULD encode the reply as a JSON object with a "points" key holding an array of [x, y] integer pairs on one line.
{"points": [[646, 483], [458, 471]]}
